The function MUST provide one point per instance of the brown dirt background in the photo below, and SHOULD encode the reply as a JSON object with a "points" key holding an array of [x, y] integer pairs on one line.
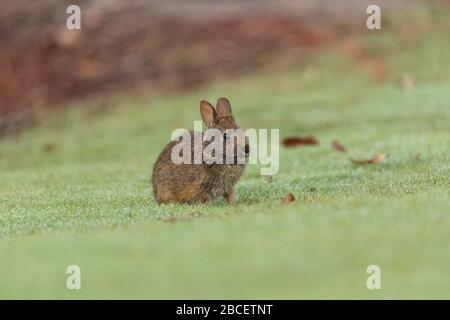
{"points": [[154, 46]]}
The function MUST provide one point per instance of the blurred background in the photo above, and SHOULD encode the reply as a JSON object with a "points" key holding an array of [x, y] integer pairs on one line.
{"points": [[149, 47], [85, 113]]}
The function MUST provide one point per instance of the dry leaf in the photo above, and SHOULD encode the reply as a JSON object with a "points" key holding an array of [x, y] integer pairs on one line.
{"points": [[408, 82], [288, 198], [49, 147], [292, 142], [338, 146], [375, 159]]}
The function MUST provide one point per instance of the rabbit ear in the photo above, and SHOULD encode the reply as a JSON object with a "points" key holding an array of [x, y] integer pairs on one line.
{"points": [[208, 113], [223, 107]]}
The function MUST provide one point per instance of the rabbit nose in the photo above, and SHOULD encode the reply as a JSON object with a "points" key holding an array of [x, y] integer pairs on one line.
{"points": [[247, 149]]}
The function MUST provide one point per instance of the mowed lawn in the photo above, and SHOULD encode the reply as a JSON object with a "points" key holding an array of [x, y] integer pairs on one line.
{"points": [[75, 190]]}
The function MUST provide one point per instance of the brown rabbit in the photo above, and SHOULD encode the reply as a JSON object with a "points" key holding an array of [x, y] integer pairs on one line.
{"points": [[191, 183]]}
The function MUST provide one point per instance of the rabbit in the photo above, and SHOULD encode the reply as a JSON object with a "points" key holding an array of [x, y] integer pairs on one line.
{"points": [[201, 183]]}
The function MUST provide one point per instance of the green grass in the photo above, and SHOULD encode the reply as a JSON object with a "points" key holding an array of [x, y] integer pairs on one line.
{"points": [[76, 190]]}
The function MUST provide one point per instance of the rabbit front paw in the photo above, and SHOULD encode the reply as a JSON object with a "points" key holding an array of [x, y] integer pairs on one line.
{"points": [[231, 198]]}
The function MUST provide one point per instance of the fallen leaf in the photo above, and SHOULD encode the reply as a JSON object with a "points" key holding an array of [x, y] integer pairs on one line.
{"points": [[338, 146], [408, 82], [49, 147], [375, 159], [288, 198], [299, 141]]}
